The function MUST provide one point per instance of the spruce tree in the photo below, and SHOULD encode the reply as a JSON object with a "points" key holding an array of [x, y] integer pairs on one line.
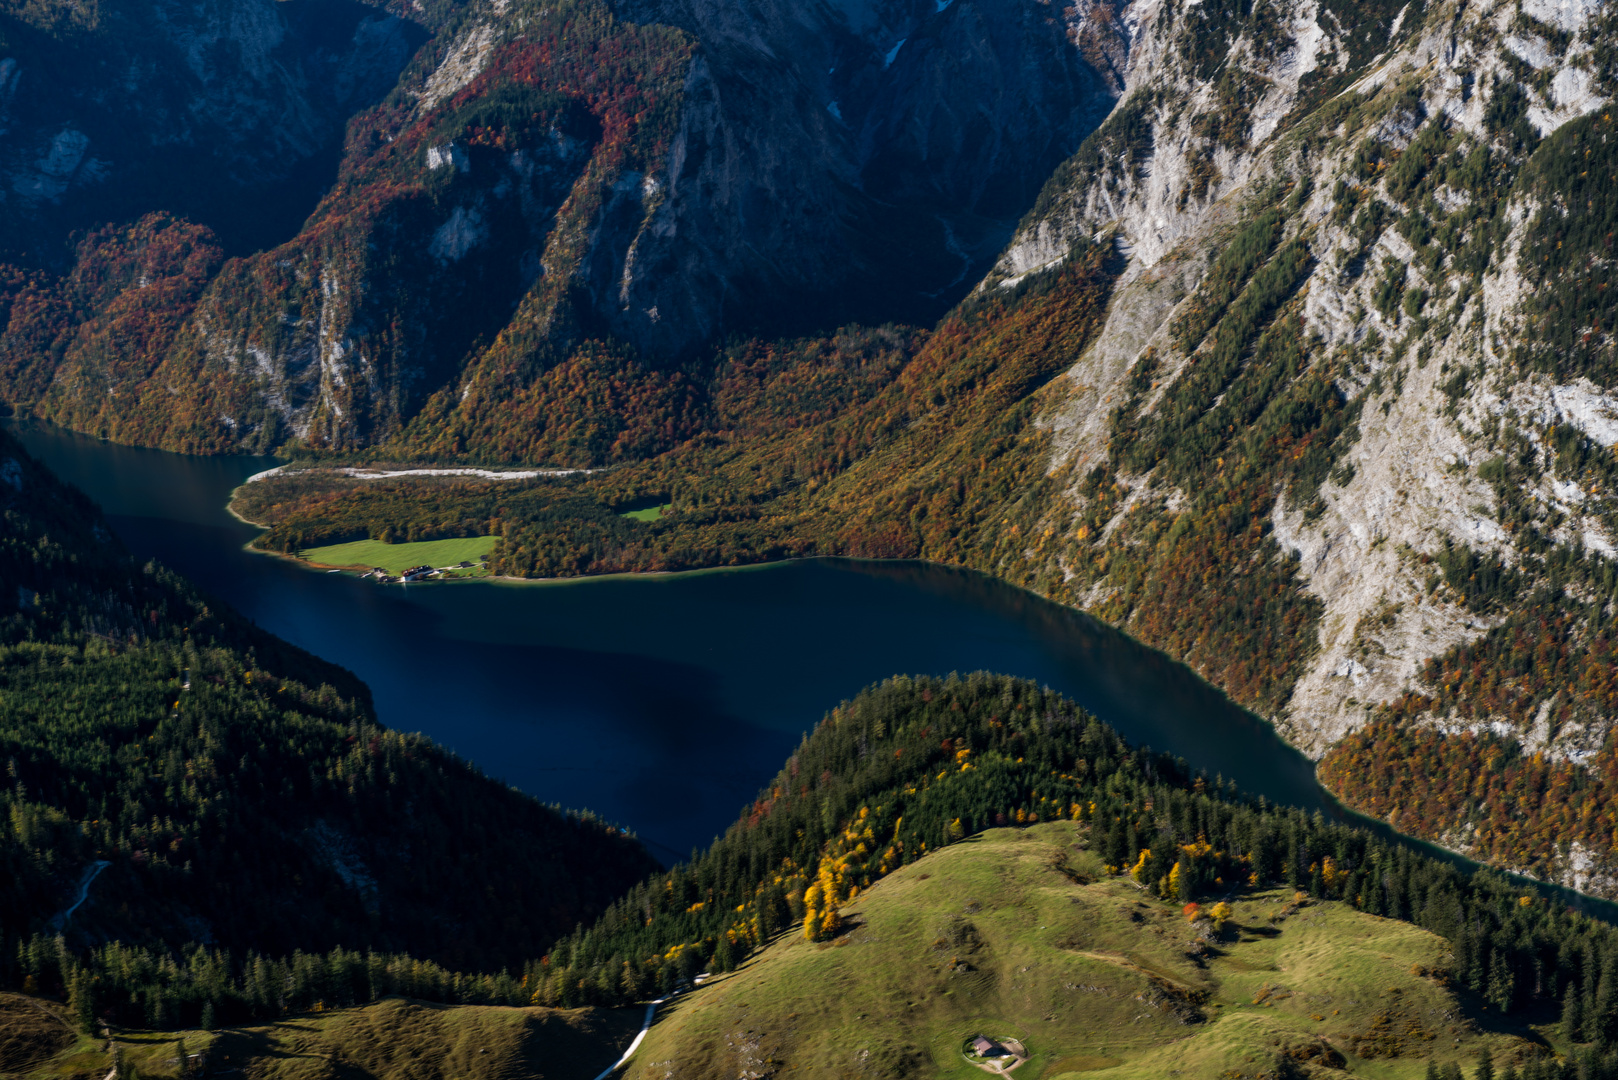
{"points": [[724, 956], [81, 1002], [1502, 988], [1573, 1015], [1601, 1022]]}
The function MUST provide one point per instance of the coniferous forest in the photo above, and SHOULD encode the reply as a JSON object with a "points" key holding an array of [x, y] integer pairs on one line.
{"points": [[268, 848], [238, 790]]}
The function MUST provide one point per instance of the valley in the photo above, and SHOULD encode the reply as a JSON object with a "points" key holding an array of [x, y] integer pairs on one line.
{"points": [[1119, 494], [1163, 410], [678, 670]]}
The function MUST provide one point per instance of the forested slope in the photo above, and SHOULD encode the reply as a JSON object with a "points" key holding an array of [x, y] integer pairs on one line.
{"points": [[238, 790], [1299, 370], [914, 766], [906, 769]]}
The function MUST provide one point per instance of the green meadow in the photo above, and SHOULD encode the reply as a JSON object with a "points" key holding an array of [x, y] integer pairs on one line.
{"points": [[395, 558], [1019, 933]]}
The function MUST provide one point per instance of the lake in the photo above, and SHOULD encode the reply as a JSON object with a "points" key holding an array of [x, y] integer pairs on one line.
{"points": [[659, 702]]}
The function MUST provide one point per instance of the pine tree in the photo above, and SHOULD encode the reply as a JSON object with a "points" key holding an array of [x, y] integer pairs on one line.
{"points": [[81, 1003], [1573, 1015], [1485, 1065], [1502, 989]]}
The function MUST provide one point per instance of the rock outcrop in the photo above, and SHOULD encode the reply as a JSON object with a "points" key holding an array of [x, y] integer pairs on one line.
{"points": [[119, 109], [1427, 171], [541, 176]]}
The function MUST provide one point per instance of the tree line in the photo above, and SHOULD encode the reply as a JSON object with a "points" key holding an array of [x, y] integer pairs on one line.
{"points": [[241, 790]]}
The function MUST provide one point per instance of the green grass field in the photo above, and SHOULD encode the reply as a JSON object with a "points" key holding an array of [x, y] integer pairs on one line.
{"points": [[393, 1039], [395, 558], [1014, 934], [648, 513], [995, 936]]}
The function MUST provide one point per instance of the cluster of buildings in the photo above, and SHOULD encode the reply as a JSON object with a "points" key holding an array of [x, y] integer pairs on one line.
{"points": [[414, 573]]}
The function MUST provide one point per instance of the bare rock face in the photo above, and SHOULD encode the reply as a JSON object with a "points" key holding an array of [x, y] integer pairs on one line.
{"points": [[146, 105], [1427, 174], [855, 160]]}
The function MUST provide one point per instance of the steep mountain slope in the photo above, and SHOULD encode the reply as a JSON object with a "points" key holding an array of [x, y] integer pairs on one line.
{"points": [[1340, 438], [553, 193], [1355, 377], [175, 776], [230, 114]]}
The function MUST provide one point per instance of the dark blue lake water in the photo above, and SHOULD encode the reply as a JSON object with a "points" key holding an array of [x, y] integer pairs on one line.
{"points": [[662, 703]]}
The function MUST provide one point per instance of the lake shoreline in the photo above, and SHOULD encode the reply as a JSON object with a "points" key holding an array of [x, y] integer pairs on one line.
{"points": [[622, 697]]}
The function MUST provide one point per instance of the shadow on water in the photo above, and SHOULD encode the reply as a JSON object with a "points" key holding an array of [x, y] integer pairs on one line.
{"points": [[664, 702]]}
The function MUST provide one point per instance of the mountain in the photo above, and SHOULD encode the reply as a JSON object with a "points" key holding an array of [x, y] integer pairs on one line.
{"points": [[551, 176], [1342, 444], [1298, 367], [176, 777]]}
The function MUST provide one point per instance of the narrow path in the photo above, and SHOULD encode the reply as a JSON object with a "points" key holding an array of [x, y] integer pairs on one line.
{"points": [[90, 874], [646, 1026]]}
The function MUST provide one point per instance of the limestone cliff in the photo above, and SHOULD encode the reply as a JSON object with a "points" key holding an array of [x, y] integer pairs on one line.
{"points": [[1399, 204], [111, 110], [544, 175]]}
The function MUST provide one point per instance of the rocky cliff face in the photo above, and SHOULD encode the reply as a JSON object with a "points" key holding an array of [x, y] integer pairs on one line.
{"points": [[117, 109], [862, 159], [716, 167], [1359, 373]]}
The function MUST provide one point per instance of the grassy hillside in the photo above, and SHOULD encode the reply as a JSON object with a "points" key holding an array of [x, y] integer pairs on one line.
{"points": [[241, 797], [395, 1039], [1021, 933], [916, 767]]}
